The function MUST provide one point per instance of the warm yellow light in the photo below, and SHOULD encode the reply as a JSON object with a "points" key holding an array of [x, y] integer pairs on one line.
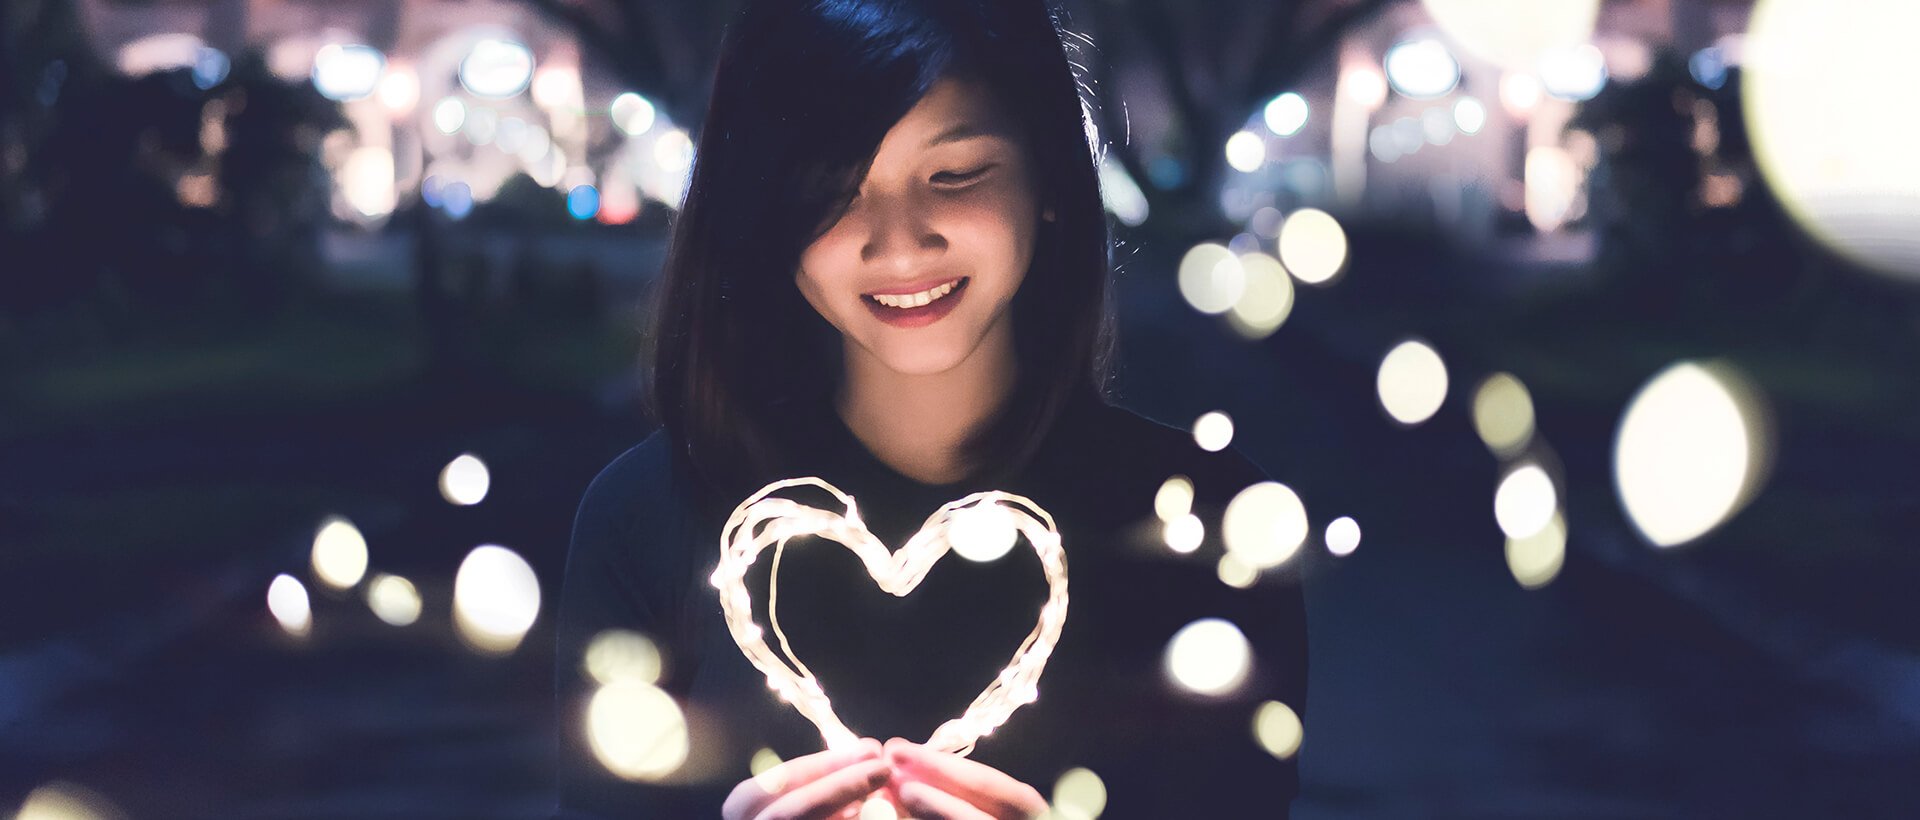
{"points": [[763, 761], [287, 600], [1213, 431], [983, 532], [1277, 728], [339, 553], [623, 654], [393, 599], [66, 801], [1266, 297], [1503, 414], [1210, 278], [496, 598], [1514, 34], [1175, 498], [1235, 573], [636, 730], [1690, 451], [1536, 559], [1079, 793], [1209, 657], [1412, 382], [1264, 525], [1313, 246], [1184, 534], [465, 480], [1525, 501]]}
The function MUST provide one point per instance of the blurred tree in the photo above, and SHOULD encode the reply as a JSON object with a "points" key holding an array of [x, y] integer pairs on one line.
{"points": [[1214, 64]]}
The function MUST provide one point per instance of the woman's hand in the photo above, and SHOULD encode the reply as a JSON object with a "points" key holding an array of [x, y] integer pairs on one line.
{"points": [[819, 786], [936, 785]]}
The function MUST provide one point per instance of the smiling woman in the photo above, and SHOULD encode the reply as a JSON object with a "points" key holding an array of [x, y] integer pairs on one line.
{"points": [[891, 273]]}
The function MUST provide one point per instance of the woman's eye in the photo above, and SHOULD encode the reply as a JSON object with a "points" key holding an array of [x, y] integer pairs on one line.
{"points": [[951, 178]]}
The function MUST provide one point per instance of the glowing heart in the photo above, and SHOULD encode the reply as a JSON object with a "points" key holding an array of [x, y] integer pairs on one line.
{"points": [[981, 517]]}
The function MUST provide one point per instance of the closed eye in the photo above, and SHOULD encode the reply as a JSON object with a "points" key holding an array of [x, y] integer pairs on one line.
{"points": [[957, 178]]}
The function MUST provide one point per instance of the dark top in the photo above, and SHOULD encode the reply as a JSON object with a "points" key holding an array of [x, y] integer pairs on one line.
{"points": [[643, 549]]}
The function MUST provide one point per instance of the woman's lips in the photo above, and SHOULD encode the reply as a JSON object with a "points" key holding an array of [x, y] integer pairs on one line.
{"points": [[916, 287], [923, 315]]}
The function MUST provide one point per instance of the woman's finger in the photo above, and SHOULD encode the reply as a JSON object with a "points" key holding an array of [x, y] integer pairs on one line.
{"points": [[825, 797], [984, 786], [754, 794], [925, 802]]}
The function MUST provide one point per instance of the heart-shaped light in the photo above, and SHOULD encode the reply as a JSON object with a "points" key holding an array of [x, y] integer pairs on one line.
{"points": [[897, 572]]}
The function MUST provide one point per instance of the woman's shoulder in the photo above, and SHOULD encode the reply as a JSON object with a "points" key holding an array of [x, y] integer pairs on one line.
{"points": [[638, 483]]}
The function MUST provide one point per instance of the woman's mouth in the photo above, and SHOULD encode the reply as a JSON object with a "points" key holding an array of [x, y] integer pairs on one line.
{"points": [[917, 309]]}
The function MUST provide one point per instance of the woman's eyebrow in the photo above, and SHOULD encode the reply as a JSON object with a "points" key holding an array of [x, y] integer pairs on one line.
{"points": [[964, 131]]}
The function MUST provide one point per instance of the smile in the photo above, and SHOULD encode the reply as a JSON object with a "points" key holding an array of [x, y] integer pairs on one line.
{"points": [[916, 309]]}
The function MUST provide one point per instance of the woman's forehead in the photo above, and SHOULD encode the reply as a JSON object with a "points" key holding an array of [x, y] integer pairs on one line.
{"points": [[952, 110]]}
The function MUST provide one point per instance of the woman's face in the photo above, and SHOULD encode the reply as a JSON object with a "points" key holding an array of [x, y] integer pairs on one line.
{"points": [[945, 219]]}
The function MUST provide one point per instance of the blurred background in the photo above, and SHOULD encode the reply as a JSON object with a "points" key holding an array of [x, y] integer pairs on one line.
{"points": [[1586, 333]]}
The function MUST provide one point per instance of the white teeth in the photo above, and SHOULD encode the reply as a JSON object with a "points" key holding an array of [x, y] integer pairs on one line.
{"points": [[915, 300]]}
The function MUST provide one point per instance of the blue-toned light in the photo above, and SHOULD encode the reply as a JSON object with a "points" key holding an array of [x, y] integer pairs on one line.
{"points": [[457, 199], [583, 201]]}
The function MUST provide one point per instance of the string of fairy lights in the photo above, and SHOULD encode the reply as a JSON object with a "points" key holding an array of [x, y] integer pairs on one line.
{"points": [[765, 520]]}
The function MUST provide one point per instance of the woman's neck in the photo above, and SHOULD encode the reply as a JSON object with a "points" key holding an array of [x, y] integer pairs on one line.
{"points": [[916, 424]]}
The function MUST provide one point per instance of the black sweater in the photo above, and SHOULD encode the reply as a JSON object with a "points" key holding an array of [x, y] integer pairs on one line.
{"points": [[643, 550]]}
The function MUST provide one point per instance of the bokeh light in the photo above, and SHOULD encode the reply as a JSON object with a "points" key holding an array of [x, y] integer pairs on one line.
{"points": [[1313, 246], [1246, 151], [983, 532], [673, 150], [1079, 794], [1343, 536], [1520, 93], [366, 181], [1422, 69], [636, 730], [1235, 573], [344, 72], [449, 114], [1525, 501], [1209, 656], [67, 801], [763, 761], [1286, 114], [632, 114], [1264, 525], [623, 655], [1213, 431], [1184, 533], [1277, 728], [339, 553], [1690, 451], [1266, 297], [1513, 34], [1575, 73], [287, 601], [1536, 559], [1831, 119], [1503, 414], [496, 68], [465, 480], [399, 89], [1210, 278], [1412, 382], [393, 599], [583, 201], [1364, 85], [1174, 498], [496, 598], [1469, 115], [1553, 183]]}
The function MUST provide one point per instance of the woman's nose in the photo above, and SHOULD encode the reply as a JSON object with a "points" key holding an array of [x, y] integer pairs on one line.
{"points": [[900, 235]]}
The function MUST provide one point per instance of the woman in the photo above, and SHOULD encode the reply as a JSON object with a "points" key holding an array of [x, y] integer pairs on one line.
{"points": [[890, 272]]}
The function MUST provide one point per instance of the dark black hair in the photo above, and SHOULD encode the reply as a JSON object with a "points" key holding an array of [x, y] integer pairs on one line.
{"points": [[803, 94]]}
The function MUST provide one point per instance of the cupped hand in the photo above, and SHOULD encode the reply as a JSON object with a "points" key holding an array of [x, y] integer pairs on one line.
{"points": [[819, 786], [935, 785]]}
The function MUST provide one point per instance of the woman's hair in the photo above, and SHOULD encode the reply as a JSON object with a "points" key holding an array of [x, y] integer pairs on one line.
{"points": [[803, 94]]}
